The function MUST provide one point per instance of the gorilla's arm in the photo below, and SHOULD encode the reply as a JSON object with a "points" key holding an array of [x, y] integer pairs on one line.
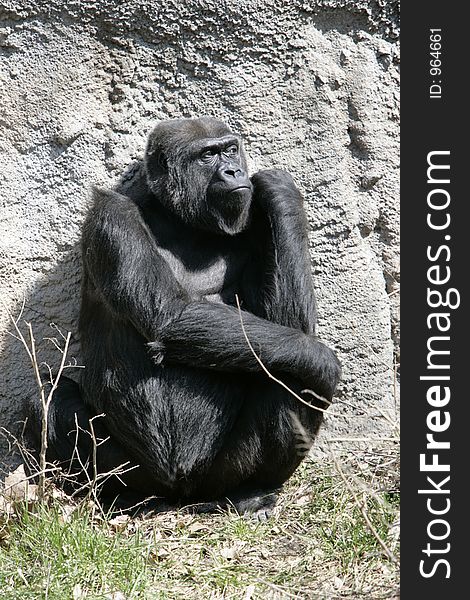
{"points": [[286, 296], [128, 274], [136, 284], [210, 335]]}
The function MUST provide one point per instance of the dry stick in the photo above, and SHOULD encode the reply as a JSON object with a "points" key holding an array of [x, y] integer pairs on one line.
{"points": [[28, 457], [45, 401], [338, 401], [98, 478], [26, 478], [311, 392], [79, 459], [44, 414], [93, 488], [95, 482], [360, 506], [128, 509], [102, 477], [95, 450], [278, 381]]}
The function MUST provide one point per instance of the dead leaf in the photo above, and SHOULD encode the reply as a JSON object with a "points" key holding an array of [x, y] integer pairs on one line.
{"points": [[120, 522], [338, 583], [77, 592], [21, 574], [232, 552], [264, 553], [159, 554], [66, 513], [6, 508], [59, 494], [18, 488], [229, 553], [197, 527], [302, 501]]}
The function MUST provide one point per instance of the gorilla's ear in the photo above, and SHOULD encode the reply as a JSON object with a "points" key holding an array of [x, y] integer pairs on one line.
{"points": [[161, 161], [156, 161], [154, 155]]}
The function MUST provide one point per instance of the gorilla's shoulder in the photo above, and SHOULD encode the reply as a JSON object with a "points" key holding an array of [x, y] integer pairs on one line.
{"points": [[108, 206], [104, 198]]}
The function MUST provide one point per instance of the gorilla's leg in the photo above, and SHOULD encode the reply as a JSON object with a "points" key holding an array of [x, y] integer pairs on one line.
{"points": [[75, 440], [271, 436], [254, 503]]}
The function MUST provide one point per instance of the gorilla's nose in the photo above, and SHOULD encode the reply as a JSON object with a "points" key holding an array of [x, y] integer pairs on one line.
{"points": [[231, 173]]}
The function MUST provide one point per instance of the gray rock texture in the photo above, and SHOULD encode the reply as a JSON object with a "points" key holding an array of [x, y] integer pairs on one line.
{"points": [[311, 85]]}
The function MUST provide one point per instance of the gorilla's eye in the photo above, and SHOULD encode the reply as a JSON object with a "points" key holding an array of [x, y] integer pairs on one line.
{"points": [[231, 150], [208, 155]]}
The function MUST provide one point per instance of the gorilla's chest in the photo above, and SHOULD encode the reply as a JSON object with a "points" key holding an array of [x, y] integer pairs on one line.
{"points": [[205, 275]]}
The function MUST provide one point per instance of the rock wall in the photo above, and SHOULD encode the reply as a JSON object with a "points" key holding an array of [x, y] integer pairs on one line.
{"points": [[311, 86]]}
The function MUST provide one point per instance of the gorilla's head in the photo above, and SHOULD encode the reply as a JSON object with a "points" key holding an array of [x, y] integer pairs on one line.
{"points": [[197, 169]]}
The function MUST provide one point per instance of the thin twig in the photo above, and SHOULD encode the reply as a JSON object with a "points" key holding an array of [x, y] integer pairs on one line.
{"points": [[269, 374], [45, 401], [27, 478]]}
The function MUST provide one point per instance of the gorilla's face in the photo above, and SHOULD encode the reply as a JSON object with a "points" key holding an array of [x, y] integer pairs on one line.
{"points": [[228, 195], [197, 168]]}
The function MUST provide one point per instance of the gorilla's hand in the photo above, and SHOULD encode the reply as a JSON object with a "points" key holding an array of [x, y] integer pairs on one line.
{"points": [[274, 189], [323, 370]]}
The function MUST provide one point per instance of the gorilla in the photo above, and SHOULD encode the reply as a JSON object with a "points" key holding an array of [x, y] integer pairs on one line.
{"points": [[193, 261]]}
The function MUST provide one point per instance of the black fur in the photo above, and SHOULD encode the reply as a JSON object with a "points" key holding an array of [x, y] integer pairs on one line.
{"points": [[165, 356]]}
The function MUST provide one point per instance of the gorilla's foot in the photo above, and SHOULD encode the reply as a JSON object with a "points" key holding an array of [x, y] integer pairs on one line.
{"points": [[253, 504], [257, 505]]}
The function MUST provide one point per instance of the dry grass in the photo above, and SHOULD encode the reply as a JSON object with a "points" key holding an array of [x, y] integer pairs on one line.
{"points": [[317, 545], [333, 535]]}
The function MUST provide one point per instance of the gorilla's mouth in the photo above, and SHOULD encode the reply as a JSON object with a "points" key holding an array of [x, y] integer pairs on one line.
{"points": [[240, 187]]}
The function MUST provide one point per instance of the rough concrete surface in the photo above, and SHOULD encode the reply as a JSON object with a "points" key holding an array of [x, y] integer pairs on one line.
{"points": [[311, 85]]}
